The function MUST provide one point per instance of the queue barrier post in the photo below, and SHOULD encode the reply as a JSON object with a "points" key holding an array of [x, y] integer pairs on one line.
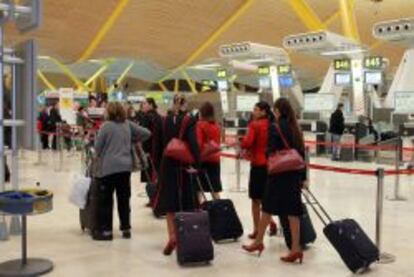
{"points": [[59, 145], [238, 187], [385, 258], [397, 185], [39, 149]]}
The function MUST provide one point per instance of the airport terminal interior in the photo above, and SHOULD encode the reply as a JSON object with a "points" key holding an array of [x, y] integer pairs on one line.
{"points": [[294, 117]]}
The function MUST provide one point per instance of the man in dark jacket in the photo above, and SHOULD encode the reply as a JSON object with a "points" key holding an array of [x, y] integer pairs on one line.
{"points": [[336, 128]]}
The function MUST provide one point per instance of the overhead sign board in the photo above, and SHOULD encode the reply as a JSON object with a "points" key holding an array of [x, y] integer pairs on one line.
{"points": [[342, 64]]}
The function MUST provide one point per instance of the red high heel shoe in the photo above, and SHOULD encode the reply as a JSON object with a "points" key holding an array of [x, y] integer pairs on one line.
{"points": [[169, 248], [272, 229], [293, 257], [254, 247], [252, 235]]}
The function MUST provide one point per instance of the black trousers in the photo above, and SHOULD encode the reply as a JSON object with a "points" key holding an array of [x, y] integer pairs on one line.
{"points": [[45, 141], [120, 183]]}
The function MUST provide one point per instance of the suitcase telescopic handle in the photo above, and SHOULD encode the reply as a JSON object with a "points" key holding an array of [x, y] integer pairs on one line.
{"points": [[312, 201], [210, 185]]}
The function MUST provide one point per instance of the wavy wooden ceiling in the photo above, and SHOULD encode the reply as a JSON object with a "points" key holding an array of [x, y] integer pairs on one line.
{"points": [[166, 32]]}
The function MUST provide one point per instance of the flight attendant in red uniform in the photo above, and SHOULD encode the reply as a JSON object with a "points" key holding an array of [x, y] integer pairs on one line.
{"points": [[255, 143], [208, 130]]}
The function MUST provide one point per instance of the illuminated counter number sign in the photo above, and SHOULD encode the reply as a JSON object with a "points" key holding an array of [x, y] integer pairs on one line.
{"points": [[264, 70], [342, 64], [373, 62], [284, 69], [222, 73]]}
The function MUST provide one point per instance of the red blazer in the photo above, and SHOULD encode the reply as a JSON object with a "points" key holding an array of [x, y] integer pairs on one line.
{"points": [[207, 131], [255, 141]]}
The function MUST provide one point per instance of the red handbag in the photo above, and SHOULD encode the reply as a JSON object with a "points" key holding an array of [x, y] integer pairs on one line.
{"points": [[210, 148], [284, 160], [177, 149]]}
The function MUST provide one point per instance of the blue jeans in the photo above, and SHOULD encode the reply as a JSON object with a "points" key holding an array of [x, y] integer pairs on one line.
{"points": [[336, 149]]}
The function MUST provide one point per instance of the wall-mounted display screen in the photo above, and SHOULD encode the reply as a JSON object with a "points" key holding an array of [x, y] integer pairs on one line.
{"points": [[404, 101], [343, 79], [223, 85], [264, 82], [245, 103], [375, 62], [373, 77], [342, 64], [317, 102], [222, 73], [263, 70], [286, 81], [284, 69]]}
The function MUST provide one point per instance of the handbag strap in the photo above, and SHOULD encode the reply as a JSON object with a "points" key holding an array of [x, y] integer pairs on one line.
{"points": [[282, 137], [184, 124]]}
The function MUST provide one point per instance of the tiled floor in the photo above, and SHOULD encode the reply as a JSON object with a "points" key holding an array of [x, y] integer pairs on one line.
{"points": [[57, 235]]}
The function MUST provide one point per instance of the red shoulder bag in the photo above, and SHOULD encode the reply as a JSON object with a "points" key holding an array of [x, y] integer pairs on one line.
{"points": [[284, 160], [179, 150]]}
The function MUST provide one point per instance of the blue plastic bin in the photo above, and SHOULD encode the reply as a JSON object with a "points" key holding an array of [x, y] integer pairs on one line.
{"points": [[16, 202]]}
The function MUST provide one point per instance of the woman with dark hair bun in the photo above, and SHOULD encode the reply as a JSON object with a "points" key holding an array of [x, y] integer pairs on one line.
{"points": [[282, 195], [209, 130], [255, 143], [176, 192], [152, 120]]}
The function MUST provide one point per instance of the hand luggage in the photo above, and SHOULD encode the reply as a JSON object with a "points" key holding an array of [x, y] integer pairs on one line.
{"points": [[225, 223], [193, 238], [194, 243], [356, 249], [307, 231]]}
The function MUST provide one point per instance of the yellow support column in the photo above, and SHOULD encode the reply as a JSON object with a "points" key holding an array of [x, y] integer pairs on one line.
{"points": [[70, 74], [162, 86], [122, 77], [307, 15], [190, 83], [45, 80], [176, 85], [348, 19], [98, 73], [213, 37]]}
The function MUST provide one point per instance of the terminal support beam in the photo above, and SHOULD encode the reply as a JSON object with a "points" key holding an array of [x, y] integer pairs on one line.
{"points": [[189, 81], [307, 15], [349, 23], [69, 73], [45, 80], [122, 77], [176, 85], [104, 30], [213, 37], [162, 86], [98, 73]]}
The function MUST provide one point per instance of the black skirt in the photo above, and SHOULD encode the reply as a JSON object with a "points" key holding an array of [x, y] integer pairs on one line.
{"points": [[283, 194], [257, 182], [176, 189], [213, 170]]}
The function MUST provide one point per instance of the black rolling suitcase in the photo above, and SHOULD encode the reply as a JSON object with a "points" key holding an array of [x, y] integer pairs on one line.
{"points": [[194, 244], [351, 242], [307, 231], [225, 223]]}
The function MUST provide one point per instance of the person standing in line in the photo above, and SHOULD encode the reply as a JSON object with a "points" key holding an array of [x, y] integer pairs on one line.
{"points": [[153, 121], [336, 128], [43, 127], [176, 192], [54, 119], [255, 143], [282, 195], [113, 147], [209, 130]]}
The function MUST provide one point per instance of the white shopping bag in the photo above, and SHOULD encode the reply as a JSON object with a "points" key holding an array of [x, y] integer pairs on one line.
{"points": [[79, 192]]}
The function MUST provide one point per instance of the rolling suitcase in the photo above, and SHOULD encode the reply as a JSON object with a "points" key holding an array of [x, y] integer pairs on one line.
{"points": [[86, 215], [307, 231], [194, 243], [354, 246], [225, 223]]}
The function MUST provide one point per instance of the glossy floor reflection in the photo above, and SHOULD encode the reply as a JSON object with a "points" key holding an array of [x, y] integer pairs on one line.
{"points": [[58, 236]]}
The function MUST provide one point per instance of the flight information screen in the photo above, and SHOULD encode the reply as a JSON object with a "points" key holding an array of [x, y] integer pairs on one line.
{"points": [[343, 79]]}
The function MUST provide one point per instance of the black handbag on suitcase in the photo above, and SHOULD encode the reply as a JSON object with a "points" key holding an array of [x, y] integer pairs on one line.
{"points": [[225, 223], [86, 215], [351, 242], [307, 231], [194, 244]]}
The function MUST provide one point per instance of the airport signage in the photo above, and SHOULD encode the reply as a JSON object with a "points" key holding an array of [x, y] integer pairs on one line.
{"points": [[285, 69], [222, 73], [342, 64], [375, 62], [264, 70]]}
